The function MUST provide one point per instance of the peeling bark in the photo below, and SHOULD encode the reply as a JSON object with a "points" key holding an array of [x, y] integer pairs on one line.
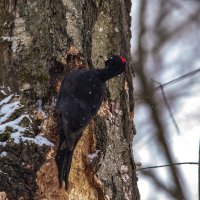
{"points": [[40, 42]]}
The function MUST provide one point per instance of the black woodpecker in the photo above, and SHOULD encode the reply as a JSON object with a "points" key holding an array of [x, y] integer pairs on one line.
{"points": [[80, 98]]}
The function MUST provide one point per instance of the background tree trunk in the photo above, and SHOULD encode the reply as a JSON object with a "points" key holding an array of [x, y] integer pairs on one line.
{"points": [[40, 41]]}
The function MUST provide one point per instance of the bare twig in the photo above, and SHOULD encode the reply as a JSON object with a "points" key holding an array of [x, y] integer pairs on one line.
{"points": [[169, 165], [168, 107], [189, 74], [172, 82]]}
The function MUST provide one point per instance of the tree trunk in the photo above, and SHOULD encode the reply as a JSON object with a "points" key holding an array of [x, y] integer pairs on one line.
{"points": [[40, 42]]}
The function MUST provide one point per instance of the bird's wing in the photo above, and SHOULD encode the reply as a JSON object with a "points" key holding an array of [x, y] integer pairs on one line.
{"points": [[88, 93], [80, 98]]}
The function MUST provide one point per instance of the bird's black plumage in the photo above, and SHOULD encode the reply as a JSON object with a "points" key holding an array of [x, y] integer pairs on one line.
{"points": [[80, 98]]}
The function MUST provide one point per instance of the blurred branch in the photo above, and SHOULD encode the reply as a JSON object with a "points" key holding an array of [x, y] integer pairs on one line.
{"points": [[168, 107], [179, 29], [151, 102], [199, 170], [159, 184], [172, 82], [169, 165], [161, 133], [176, 80]]}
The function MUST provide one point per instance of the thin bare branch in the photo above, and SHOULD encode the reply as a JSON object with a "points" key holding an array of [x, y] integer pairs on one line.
{"points": [[167, 84], [168, 107], [169, 165], [180, 78]]}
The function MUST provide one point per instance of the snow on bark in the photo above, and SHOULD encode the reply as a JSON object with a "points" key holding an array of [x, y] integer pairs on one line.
{"points": [[15, 125]]}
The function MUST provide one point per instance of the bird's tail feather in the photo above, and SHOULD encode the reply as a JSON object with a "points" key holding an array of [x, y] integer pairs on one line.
{"points": [[63, 161]]}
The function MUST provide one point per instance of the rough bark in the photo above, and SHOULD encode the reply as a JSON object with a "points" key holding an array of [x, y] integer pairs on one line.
{"points": [[41, 41]]}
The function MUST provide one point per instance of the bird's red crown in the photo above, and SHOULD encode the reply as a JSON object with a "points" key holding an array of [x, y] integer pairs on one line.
{"points": [[123, 59]]}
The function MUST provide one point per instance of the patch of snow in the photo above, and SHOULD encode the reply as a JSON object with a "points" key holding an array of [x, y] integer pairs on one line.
{"points": [[53, 102], [3, 144], [18, 137], [93, 155], [2, 173], [3, 154], [6, 100], [9, 39], [40, 109], [16, 130], [3, 92], [39, 140], [14, 124], [7, 110]]}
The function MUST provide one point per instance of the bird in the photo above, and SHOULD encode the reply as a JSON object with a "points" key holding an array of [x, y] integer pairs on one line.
{"points": [[80, 97]]}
